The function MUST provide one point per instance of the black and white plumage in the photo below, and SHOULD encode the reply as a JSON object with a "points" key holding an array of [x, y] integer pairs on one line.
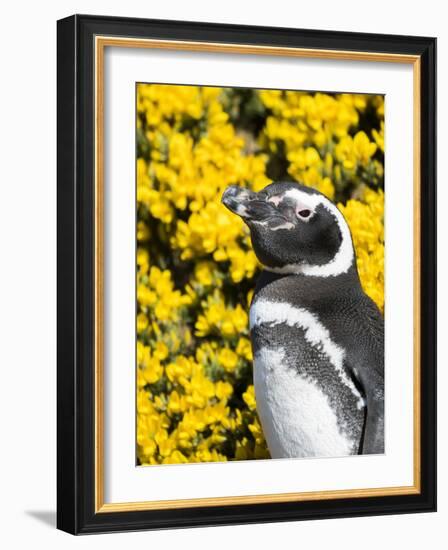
{"points": [[317, 338]]}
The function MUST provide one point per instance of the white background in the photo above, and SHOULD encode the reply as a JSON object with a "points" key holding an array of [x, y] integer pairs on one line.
{"points": [[27, 288]]}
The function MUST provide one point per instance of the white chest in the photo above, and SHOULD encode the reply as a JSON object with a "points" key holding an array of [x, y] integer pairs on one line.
{"points": [[295, 414], [297, 417]]}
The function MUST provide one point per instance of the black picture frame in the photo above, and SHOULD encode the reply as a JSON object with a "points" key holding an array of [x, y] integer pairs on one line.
{"points": [[76, 273]]}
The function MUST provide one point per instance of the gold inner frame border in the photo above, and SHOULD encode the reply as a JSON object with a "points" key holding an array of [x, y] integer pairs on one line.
{"points": [[101, 42]]}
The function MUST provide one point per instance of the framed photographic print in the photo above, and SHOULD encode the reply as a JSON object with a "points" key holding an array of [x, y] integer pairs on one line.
{"points": [[246, 274]]}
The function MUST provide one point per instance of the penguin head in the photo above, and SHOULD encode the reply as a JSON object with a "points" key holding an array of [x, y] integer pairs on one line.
{"points": [[294, 229]]}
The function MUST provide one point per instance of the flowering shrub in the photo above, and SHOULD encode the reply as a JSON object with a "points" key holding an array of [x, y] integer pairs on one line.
{"points": [[196, 269]]}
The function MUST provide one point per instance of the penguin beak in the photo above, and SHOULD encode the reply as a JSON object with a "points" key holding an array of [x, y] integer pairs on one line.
{"points": [[247, 204]]}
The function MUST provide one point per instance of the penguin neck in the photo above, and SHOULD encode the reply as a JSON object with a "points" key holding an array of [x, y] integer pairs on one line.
{"points": [[306, 288]]}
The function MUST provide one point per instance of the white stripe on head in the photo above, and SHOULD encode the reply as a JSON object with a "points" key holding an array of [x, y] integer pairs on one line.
{"points": [[316, 334], [287, 225], [344, 257]]}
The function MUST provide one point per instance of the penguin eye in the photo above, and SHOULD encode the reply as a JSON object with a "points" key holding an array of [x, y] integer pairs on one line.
{"points": [[305, 213]]}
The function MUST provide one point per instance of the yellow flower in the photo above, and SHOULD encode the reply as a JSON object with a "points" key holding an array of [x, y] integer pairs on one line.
{"points": [[379, 136], [176, 457], [366, 223], [223, 390], [176, 403], [239, 319], [364, 148], [143, 232], [145, 296], [353, 151], [161, 351], [142, 261], [249, 398], [152, 372], [180, 370], [243, 449], [142, 322], [228, 359], [244, 348], [204, 273], [166, 445]]}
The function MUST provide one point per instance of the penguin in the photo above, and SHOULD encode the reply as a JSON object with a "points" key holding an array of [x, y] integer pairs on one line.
{"points": [[317, 338]]}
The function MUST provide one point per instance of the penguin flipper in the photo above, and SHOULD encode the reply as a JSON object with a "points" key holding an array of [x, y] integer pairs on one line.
{"points": [[372, 390], [373, 440], [368, 368]]}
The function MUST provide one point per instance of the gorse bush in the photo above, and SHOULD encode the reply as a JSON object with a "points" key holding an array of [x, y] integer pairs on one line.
{"points": [[196, 269]]}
